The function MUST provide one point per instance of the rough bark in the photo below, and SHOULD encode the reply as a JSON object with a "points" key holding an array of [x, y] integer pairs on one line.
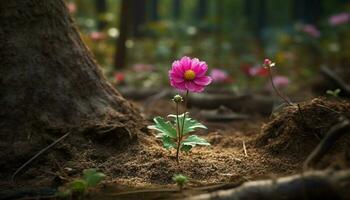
{"points": [[49, 79]]}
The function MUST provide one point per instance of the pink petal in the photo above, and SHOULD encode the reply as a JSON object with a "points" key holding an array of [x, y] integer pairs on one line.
{"points": [[176, 67], [175, 74], [185, 63], [192, 87], [195, 64], [179, 86], [201, 69], [203, 81]]}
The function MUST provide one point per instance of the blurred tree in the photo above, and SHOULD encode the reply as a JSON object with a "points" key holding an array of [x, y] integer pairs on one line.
{"points": [[50, 80], [202, 8], [309, 11], [139, 17], [101, 8], [124, 26], [176, 9], [260, 19], [153, 10]]}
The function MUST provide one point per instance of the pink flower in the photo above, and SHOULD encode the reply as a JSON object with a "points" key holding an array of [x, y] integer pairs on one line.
{"points": [[97, 36], [338, 19], [72, 8], [279, 82], [253, 71], [219, 76], [119, 77], [311, 30], [189, 74], [140, 67], [258, 71], [268, 63]]}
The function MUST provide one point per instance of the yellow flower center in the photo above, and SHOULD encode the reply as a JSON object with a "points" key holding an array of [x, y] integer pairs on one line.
{"points": [[189, 75]]}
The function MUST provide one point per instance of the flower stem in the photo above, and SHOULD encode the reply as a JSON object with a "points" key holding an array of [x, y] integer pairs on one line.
{"points": [[180, 131], [276, 90]]}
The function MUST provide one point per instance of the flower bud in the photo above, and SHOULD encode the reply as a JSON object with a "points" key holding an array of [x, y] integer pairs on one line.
{"points": [[268, 63], [177, 98]]}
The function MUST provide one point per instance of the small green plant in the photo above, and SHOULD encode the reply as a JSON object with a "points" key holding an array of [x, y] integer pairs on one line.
{"points": [[334, 93], [80, 186], [186, 75], [180, 180]]}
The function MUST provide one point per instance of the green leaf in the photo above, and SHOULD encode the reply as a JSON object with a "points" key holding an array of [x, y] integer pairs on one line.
{"points": [[164, 127], [192, 141], [186, 148], [93, 177], [168, 142], [190, 124], [78, 186]]}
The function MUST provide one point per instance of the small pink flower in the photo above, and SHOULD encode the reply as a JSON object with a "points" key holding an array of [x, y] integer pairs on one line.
{"points": [[279, 82], [140, 67], [311, 30], [258, 71], [119, 77], [219, 75], [255, 71], [72, 8], [339, 19], [268, 63], [189, 74], [97, 36]]}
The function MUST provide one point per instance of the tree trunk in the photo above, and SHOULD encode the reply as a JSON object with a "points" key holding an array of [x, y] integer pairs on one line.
{"points": [[139, 17], [154, 16], [202, 8], [50, 80], [101, 9], [124, 23], [176, 9]]}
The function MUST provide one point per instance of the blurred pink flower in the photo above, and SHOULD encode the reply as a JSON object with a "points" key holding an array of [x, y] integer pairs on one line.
{"points": [[119, 77], [97, 36], [140, 67], [338, 19], [279, 82], [219, 75], [189, 74], [311, 30], [254, 71], [72, 7]]}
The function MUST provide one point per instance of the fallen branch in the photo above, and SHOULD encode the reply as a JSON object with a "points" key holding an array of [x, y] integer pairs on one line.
{"points": [[336, 79], [37, 155], [327, 142], [310, 185]]}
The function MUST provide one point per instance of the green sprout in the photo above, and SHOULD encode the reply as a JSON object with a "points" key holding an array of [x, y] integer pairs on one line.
{"points": [[180, 180], [334, 93], [80, 186], [176, 132]]}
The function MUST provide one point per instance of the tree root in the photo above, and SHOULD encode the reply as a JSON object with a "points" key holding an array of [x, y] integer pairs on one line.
{"points": [[310, 185]]}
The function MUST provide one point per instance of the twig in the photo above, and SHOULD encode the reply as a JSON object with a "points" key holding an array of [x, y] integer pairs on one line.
{"points": [[338, 80], [327, 142], [38, 154], [245, 149]]}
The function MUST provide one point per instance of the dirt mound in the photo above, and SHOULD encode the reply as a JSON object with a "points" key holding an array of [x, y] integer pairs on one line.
{"points": [[297, 130]]}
